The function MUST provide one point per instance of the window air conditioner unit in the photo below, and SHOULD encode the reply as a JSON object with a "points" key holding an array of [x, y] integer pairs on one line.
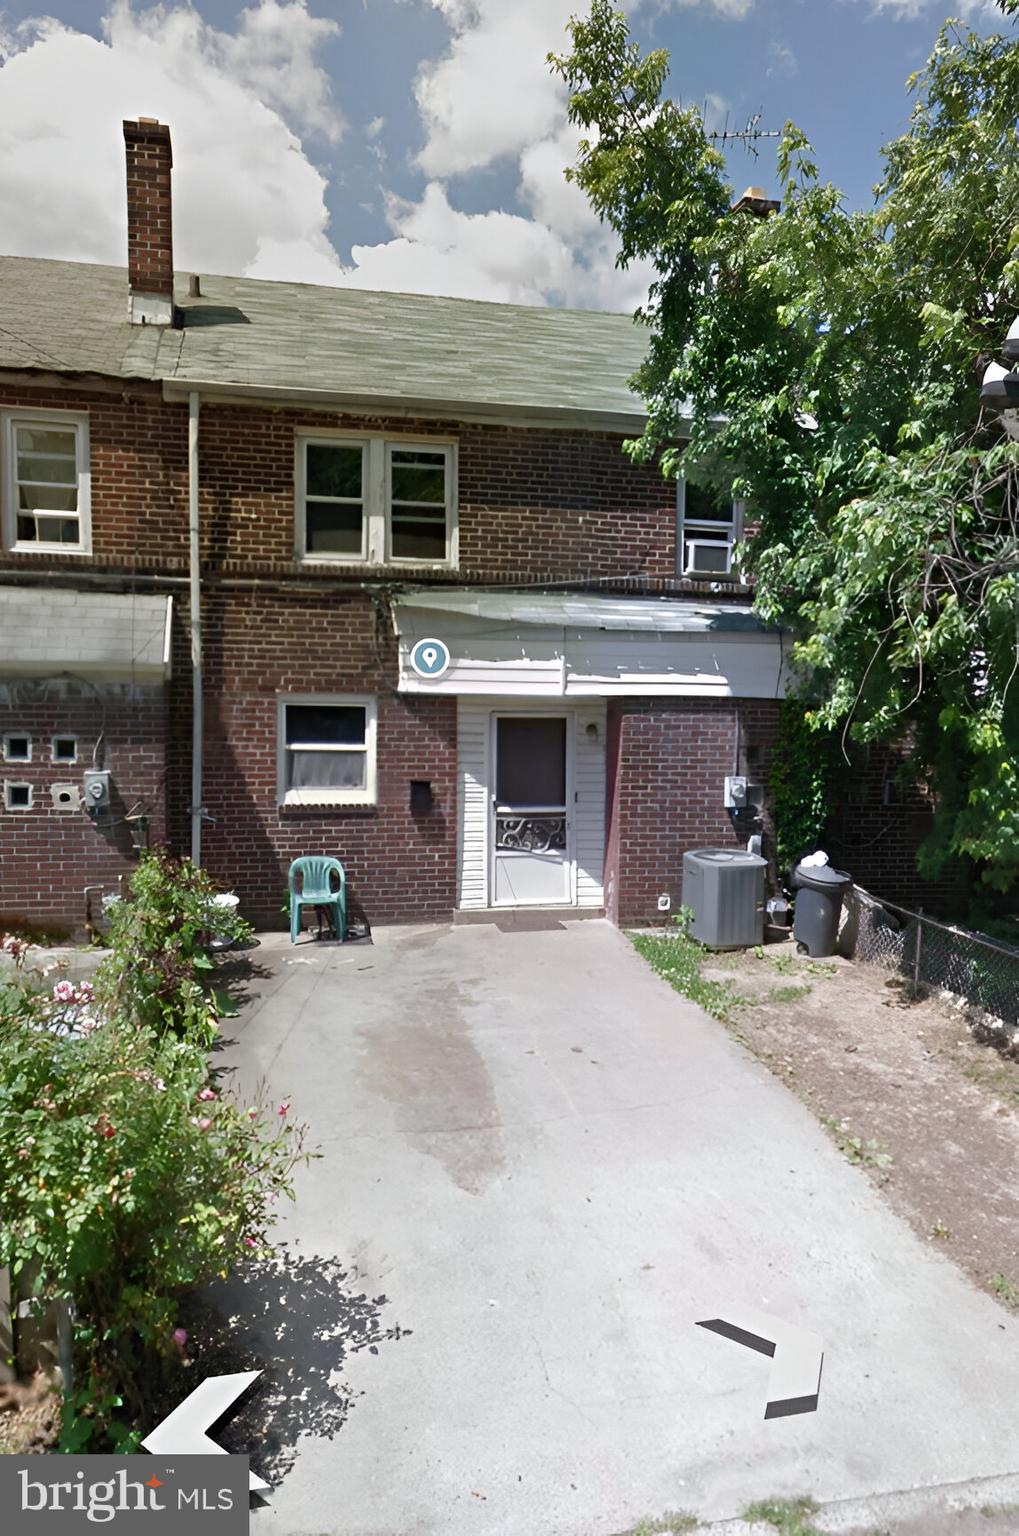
{"points": [[708, 555]]}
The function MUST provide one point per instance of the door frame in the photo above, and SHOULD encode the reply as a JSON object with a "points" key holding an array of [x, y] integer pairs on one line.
{"points": [[569, 717]]}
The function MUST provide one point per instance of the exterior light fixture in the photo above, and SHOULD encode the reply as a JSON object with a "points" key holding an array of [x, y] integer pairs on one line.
{"points": [[1000, 389], [1011, 347]]}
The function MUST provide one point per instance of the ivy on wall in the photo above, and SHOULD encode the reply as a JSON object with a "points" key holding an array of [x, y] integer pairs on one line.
{"points": [[800, 782]]}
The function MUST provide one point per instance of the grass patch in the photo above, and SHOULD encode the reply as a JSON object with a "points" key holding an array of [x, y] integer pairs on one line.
{"points": [[673, 1523], [864, 1154], [1005, 1291], [788, 994], [678, 959], [791, 1517]]}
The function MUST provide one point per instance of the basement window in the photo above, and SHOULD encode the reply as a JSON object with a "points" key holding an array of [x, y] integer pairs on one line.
{"points": [[17, 748], [17, 797], [326, 750], [64, 749], [45, 461], [376, 501], [708, 527]]}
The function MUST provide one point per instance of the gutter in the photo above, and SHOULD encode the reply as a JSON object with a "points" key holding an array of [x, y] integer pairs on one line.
{"points": [[195, 624], [630, 423]]}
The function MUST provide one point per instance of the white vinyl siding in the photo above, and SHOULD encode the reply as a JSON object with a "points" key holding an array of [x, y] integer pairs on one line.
{"points": [[589, 807], [473, 796], [46, 483]]}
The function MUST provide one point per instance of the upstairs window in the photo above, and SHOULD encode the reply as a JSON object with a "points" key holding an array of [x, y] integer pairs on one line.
{"points": [[326, 750], [708, 528], [376, 501], [45, 481]]}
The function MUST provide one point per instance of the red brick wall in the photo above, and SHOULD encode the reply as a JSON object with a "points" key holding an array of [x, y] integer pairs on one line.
{"points": [[47, 857], [882, 816], [401, 865], [667, 762], [533, 504]]}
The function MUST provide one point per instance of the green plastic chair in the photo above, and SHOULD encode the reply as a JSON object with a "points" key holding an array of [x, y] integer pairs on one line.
{"points": [[317, 891]]}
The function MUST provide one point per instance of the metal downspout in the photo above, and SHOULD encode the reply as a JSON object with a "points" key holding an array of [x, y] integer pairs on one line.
{"points": [[195, 593]]}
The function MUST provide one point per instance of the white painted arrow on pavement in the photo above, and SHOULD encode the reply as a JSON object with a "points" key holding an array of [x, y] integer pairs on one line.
{"points": [[797, 1355], [183, 1432]]}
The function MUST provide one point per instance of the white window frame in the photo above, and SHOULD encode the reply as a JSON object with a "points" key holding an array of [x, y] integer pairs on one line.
{"points": [[17, 736], [377, 543], [10, 784], [733, 527], [325, 796], [63, 736], [69, 420]]}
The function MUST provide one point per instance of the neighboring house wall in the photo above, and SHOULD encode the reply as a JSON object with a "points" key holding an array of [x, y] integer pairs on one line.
{"points": [[48, 856], [668, 760]]}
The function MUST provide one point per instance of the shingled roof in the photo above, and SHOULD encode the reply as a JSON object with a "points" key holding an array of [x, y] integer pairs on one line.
{"points": [[330, 346]]}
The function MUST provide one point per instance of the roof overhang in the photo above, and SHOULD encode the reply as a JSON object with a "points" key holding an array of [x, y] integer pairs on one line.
{"points": [[625, 423], [102, 636], [563, 645]]}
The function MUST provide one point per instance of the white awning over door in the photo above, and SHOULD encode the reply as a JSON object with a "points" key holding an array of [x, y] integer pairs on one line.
{"points": [[570, 645]]}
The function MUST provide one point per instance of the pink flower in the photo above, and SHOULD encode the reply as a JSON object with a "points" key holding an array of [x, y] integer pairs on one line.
{"points": [[86, 992], [204, 1123], [284, 1109], [249, 1242], [180, 1337], [206, 1095], [63, 992], [253, 1113]]}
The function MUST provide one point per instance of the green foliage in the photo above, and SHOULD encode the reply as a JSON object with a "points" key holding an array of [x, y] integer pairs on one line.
{"points": [[127, 1177], [158, 971], [800, 781], [863, 1153], [823, 364], [678, 958], [791, 1517]]}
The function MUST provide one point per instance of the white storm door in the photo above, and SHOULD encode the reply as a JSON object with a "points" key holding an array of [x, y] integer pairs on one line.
{"points": [[532, 857]]}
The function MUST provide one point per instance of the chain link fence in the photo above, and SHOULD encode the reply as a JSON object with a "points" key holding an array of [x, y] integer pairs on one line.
{"points": [[932, 954]]}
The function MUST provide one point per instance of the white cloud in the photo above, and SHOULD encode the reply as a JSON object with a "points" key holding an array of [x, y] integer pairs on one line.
{"points": [[783, 60], [496, 255], [909, 10], [247, 199], [242, 180]]}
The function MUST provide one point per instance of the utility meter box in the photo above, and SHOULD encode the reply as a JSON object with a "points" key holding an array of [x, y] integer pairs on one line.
{"points": [[735, 791], [97, 789]]}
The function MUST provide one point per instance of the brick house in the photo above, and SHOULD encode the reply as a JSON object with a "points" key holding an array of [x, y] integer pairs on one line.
{"points": [[290, 570]]}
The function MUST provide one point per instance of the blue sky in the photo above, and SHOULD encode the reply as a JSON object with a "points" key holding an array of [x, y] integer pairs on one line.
{"points": [[414, 144]]}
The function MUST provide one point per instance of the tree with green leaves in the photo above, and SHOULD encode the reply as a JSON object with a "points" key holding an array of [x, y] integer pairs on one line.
{"points": [[824, 364]]}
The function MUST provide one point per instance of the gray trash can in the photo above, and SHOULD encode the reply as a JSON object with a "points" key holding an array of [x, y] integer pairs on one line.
{"points": [[724, 889], [818, 905]]}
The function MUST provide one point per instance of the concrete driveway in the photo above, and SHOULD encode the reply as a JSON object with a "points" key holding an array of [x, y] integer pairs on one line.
{"points": [[540, 1168]]}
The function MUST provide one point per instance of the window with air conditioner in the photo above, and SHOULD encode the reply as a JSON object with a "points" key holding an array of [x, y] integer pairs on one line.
{"points": [[708, 528]]}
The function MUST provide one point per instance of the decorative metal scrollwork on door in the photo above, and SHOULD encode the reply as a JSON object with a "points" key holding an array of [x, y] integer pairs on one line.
{"points": [[533, 834]]}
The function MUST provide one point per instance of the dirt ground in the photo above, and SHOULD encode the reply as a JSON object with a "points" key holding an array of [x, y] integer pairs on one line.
{"points": [[905, 1088]]}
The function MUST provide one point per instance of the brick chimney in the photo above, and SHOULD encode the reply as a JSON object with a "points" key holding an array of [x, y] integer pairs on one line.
{"points": [[755, 200], [149, 222]]}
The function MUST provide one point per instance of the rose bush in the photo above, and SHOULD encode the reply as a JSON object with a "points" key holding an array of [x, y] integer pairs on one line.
{"points": [[127, 1176]]}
